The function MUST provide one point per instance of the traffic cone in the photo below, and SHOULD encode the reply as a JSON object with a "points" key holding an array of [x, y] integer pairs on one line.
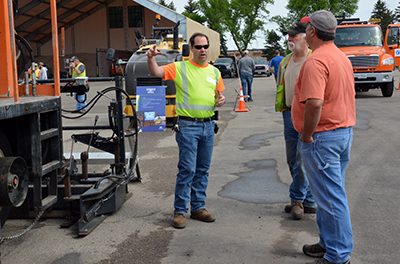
{"points": [[398, 87], [242, 107]]}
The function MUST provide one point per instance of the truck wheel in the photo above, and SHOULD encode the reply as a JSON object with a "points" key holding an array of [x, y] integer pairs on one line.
{"points": [[387, 89]]}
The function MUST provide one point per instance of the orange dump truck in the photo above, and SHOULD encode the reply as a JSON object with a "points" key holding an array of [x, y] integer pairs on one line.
{"points": [[373, 57]]}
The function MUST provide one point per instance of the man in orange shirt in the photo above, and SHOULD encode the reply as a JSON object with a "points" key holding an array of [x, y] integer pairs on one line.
{"points": [[324, 113], [199, 89]]}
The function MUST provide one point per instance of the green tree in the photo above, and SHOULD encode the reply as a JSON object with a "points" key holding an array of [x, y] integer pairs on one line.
{"points": [[382, 12], [272, 43], [170, 5], [301, 8], [397, 14], [240, 18], [192, 12]]}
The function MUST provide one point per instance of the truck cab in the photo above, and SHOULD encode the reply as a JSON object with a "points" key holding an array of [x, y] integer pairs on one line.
{"points": [[364, 45]]}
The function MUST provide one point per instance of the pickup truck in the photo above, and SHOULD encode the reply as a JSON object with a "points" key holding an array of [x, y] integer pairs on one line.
{"points": [[227, 65]]}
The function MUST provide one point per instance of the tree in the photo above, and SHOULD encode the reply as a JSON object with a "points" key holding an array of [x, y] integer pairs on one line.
{"points": [[271, 44], [241, 18], [170, 5], [298, 9], [192, 10], [397, 14], [382, 12], [301, 8]]}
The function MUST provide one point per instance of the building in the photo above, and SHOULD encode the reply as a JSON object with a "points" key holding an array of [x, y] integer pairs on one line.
{"points": [[91, 27]]}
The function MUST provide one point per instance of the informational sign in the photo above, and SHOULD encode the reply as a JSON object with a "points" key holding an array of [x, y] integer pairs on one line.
{"points": [[150, 107], [397, 53]]}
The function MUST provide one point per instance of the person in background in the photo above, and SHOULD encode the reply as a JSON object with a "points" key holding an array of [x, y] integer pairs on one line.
{"points": [[199, 89], [324, 112], [37, 72], [301, 198], [246, 68], [43, 71], [275, 63], [78, 69]]}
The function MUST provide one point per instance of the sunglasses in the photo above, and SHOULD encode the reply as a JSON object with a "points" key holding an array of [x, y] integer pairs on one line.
{"points": [[198, 47]]}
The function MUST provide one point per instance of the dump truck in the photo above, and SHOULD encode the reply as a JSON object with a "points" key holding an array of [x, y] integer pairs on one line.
{"points": [[372, 56]]}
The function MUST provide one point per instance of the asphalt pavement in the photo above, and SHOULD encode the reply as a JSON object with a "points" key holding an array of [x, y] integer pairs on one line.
{"points": [[248, 188]]}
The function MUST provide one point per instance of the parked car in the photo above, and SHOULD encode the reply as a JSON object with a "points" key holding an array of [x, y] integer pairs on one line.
{"points": [[227, 66], [262, 67]]}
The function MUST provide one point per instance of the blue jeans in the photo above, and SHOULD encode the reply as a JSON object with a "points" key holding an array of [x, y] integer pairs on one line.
{"points": [[195, 142], [80, 101], [325, 161], [299, 189], [247, 80]]}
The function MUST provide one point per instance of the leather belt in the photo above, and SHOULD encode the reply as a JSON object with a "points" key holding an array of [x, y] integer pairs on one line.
{"points": [[208, 119]]}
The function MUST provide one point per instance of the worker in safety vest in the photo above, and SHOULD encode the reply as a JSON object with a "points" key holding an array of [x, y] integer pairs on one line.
{"points": [[199, 89], [37, 72], [78, 69]]}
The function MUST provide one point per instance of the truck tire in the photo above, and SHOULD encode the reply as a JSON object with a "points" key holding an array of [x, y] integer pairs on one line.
{"points": [[387, 89]]}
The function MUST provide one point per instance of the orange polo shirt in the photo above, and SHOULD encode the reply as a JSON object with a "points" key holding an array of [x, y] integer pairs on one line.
{"points": [[327, 74]]}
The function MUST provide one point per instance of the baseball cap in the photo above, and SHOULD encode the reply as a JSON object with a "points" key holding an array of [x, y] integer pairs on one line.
{"points": [[74, 58], [41, 63], [246, 52], [295, 29], [322, 20]]}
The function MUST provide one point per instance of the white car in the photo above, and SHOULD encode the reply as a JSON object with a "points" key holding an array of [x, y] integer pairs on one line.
{"points": [[262, 67]]}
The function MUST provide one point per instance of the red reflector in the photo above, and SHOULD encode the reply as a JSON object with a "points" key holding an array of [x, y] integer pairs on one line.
{"points": [[15, 181]]}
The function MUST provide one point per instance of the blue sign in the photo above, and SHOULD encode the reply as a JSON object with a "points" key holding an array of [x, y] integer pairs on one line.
{"points": [[150, 107]]}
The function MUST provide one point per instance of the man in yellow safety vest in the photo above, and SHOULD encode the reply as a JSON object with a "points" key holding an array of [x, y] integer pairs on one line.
{"points": [[199, 89], [78, 69]]}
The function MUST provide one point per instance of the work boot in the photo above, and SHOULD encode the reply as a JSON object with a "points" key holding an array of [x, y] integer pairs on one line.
{"points": [[202, 215], [297, 210], [179, 221], [314, 250], [307, 210], [325, 261]]}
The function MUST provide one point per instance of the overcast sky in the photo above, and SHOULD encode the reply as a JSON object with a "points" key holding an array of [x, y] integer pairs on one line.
{"points": [[365, 8]]}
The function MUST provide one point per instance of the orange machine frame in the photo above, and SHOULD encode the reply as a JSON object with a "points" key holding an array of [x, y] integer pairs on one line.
{"points": [[8, 69]]}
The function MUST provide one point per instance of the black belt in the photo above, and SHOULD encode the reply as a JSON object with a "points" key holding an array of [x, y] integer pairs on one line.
{"points": [[289, 108], [208, 119]]}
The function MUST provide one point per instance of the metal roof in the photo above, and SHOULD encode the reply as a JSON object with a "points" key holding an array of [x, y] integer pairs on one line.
{"points": [[32, 20]]}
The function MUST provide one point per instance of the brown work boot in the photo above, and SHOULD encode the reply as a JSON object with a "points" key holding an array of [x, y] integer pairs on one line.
{"points": [[202, 215], [297, 210], [307, 210], [179, 221]]}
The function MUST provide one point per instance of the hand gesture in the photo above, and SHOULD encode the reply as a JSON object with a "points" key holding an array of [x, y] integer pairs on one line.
{"points": [[222, 99], [152, 52]]}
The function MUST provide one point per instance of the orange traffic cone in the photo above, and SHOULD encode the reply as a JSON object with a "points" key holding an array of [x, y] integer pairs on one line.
{"points": [[242, 107], [398, 88]]}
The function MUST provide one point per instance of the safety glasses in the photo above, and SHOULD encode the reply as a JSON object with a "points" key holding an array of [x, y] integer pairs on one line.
{"points": [[198, 47]]}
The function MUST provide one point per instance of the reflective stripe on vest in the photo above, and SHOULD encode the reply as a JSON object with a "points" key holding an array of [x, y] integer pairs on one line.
{"points": [[185, 106]]}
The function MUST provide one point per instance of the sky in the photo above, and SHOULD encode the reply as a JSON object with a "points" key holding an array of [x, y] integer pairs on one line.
{"points": [[365, 8]]}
